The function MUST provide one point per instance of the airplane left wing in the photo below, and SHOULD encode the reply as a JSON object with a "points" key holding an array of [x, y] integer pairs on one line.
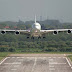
{"points": [[55, 31], [26, 32]]}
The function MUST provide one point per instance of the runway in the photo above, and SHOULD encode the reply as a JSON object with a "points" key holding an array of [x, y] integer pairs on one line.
{"points": [[35, 64]]}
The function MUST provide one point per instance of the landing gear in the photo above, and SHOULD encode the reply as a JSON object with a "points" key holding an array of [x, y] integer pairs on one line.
{"points": [[27, 37], [32, 37], [44, 37], [39, 37]]}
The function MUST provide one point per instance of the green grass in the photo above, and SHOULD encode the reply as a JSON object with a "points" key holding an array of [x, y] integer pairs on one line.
{"points": [[1, 58], [41, 53], [4, 54], [70, 56]]}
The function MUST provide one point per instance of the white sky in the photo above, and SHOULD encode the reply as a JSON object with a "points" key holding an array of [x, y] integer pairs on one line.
{"points": [[12, 10]]}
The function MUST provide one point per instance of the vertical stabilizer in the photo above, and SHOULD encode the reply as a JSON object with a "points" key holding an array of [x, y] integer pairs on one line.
{"points": [[35, 18]]}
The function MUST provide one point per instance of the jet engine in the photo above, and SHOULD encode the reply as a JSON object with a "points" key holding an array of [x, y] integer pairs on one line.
{"points": [[17, 32], [3, 32], [55, 32], [69, 31]]}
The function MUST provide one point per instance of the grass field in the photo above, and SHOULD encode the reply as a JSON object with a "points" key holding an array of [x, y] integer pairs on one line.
{"points": [[40, 52], [70, 56], [1, 58], [4, 54]]}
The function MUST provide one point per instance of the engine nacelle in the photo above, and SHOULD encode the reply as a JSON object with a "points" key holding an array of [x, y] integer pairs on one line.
{"points": [[69, 31], [55, 32], [17, 32], [3, 32]]}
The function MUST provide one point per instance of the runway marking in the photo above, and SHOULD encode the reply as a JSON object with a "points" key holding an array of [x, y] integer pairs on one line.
{"points": [[27, 57], [68, 62], [22, 57], [59, 57], [54, 57], [38, 57], [51, 68], [49, 57], [50, 60], [13, 63], [16, 66], [42, 57], [8, 57], [20, 60], [56, 63], [3, 60], [13, 57], [34, 64], [64, 57], [13, 69], [18, 57]]}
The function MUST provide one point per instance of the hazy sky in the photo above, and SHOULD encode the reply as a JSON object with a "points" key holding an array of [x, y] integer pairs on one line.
{"points": [[26, 9]]}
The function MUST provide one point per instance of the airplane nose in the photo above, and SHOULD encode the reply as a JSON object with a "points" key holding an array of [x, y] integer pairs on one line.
{"points": [[37, 27]]}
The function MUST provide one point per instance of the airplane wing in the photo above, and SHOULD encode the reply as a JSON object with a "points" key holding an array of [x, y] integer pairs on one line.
{"points": [[25, 32], [55, 31]]}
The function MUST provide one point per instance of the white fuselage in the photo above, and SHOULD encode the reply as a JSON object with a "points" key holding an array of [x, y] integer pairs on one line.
{"points": [[36, 27]]}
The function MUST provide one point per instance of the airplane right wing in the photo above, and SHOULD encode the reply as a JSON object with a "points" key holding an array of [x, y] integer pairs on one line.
{"points": [[55, 31]]}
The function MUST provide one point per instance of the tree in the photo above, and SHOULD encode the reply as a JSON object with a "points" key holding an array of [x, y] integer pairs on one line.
{"points": [[3, 49], [12, 50]]}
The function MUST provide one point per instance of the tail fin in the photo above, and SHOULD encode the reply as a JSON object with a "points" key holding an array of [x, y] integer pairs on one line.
{"points": [[35, 18]]}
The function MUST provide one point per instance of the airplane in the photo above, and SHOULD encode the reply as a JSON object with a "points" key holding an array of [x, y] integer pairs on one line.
{"points": [[35, 31]]}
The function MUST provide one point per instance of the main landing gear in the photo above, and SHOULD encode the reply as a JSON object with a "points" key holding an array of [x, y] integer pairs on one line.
{"points": [[42, 37], [38, 37], [31, 37], [27, 37]]}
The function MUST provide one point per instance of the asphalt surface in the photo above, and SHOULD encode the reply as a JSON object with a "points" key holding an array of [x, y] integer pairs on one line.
{"points": [[35, 64]]}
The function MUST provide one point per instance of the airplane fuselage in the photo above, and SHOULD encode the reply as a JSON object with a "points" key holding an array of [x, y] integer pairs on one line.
{"points": [[35, 31]]}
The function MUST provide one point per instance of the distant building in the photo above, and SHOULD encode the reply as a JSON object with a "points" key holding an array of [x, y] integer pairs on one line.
{"points": [[6, 27]]}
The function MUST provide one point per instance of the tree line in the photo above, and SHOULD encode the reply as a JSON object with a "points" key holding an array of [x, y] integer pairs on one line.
{"points": [[61, 42]]}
